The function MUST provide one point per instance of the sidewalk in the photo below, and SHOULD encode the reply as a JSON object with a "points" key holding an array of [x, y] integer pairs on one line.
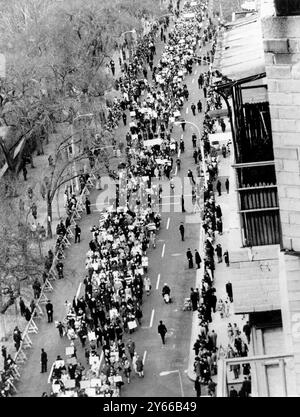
{"points": [[222, 276]]}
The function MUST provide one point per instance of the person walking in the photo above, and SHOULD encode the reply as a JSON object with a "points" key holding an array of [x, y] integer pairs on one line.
{"points": [[247, 331], [197, 386], [162, 330], [194, 140], [228, 287], [181, 230], [226, 257], [22, 306], [199, 106], [131, 348], [44, 360], [182, 204], [194, 300], [197, 259], [219, 252], [183, 125], [189, 256], [233, 392], [17, 337], [139, 366], [219, 187], [219, 225], [77, 233], [195, 156], [49, 309], [4, 353], [87, 206], [227, 185], [61, 328], [193, 107]]}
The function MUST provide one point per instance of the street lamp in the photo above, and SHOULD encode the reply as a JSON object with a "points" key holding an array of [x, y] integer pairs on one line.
{"points": [[164, 373], [201, 147]]}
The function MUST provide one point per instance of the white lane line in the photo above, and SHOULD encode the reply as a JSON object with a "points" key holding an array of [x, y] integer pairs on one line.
{"points": [[144, 357], [181, 137], [195, 73], [170, 203], [168, 223], [101, 357], [152, 318], [193, 80], [157, 282], [179, 152], [78, 291], [176, 171], [163, 251], [187, 110]]}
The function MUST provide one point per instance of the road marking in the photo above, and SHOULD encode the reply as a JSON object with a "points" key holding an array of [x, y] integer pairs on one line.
{"points": [[101, 357], [163, 251], [196, 72], [168, 223], [157, 282], [175, 171], [193, 80], [144, 357], [179, 152], [176, 254], [78, 291], [187, 110], [171, 202], [181, 137], [152, 318]]}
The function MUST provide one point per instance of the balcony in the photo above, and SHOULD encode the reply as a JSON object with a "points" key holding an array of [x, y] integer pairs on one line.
{"points": [[271, 375]]}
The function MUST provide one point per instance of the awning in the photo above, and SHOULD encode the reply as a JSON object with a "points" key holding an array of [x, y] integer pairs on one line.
{"points": [[240, 53]]}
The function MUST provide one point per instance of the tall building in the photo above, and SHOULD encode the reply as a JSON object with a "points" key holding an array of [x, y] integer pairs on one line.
{"points": [[259, 59]]}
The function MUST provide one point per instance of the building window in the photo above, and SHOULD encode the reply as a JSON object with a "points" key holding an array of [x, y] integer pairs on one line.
{"points": [[287, 7]]}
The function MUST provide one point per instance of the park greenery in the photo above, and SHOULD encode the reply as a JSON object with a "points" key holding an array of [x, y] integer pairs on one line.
{"points": [[56, 54]]}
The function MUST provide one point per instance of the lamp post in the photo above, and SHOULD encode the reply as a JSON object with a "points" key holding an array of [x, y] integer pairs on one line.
{"points": [[201, 148], [164, 373], [73, 146]]}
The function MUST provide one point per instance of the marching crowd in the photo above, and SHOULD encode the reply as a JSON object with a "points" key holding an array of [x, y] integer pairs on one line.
{"points": [[117, 259]]}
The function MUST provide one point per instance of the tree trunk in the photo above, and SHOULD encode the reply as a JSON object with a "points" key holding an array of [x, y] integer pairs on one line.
{"points": [[49, 216]]}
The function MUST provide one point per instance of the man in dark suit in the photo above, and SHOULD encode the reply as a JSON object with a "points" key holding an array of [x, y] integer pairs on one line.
{"points": [[197, 259], [189, 256], [44, 360], [181, 229], [229, 291], [77, 233], [162, 330], [49, 309]]}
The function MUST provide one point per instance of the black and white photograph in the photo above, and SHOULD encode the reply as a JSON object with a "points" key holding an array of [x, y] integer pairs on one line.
{"points": [[149, 201]]}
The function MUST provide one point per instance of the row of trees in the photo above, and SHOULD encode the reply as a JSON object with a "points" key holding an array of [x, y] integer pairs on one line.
{"points": [[56, 56]]}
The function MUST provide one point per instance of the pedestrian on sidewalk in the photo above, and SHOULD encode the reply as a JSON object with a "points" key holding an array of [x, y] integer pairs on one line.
{"points": [[4, 353], [229, 291], [197, 386], [44, 360], [199, 106], [197, 259], [193, 108], [87, 206], [183, 125], [24, 170], [139, 366], [189, 256], [49, 309], [218, 211], [219, 226], [212, 339], [233, 392], [194, 299], [247, 331], [181, 229], [182, 204], [219, 252], [227, 185], [112, 66], [162, 330], [226, 257], [227, 309], [194, 140], [22, 306], [211, 388], [219, 187], [34, 210], [77, 233], [205, 92]]}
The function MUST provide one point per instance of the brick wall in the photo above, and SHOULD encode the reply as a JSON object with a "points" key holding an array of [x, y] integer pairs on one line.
{"points": [[281, 39]]}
